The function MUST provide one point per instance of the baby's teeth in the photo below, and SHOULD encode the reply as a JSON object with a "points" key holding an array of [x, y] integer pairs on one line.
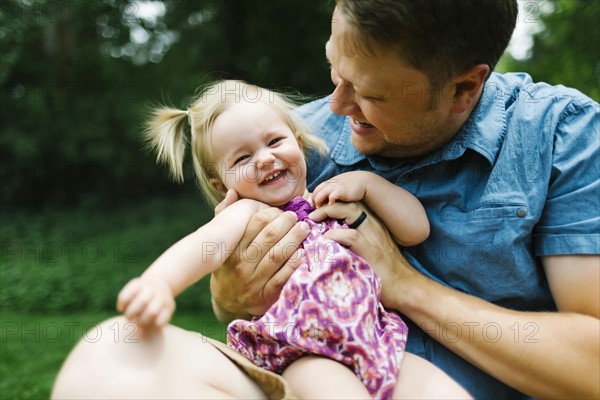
{"points": [[273, 176]]}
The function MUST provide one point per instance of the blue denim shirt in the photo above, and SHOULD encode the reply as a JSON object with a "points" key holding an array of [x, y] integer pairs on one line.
{"points": [[521, 179]]}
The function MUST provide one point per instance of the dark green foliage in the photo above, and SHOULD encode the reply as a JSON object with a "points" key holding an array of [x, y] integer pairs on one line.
{"points": [[77, 79], [67, 261]]}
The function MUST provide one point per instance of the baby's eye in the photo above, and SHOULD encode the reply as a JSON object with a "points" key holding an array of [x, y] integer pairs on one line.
{"points": [[275, 141], [240, 159]]}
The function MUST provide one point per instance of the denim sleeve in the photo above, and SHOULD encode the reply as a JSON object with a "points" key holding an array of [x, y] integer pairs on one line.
{"points": [[570, 221]]}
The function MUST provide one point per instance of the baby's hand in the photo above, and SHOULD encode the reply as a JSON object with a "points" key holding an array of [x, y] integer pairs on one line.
{"points": [[148, 302], [348, 187]]}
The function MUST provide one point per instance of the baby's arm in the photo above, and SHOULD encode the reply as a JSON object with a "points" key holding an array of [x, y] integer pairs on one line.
{"points": [[149, 299], [399, 210]]}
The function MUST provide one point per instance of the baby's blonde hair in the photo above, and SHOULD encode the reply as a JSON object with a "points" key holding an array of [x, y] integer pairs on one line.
{"points": [[165, 130]]}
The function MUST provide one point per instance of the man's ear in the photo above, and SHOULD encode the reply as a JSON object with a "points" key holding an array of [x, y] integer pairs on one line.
{"points": [[218, 184], [467, 85]]}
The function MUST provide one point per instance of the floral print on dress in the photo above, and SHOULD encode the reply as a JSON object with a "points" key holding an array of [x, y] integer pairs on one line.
{"points": [[329, 307]]}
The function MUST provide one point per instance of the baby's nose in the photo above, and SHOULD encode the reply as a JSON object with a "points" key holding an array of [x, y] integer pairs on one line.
{"points": [[265, 158]]}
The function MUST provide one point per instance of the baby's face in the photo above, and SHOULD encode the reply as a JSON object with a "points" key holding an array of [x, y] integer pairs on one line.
{"points": [[257, 154]]}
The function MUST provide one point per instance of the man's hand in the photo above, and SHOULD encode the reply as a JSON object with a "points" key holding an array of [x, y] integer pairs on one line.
{"points": [[251, 278]]}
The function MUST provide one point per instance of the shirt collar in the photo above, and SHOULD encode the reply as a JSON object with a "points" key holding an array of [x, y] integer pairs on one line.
{"points": [[485, 129]]}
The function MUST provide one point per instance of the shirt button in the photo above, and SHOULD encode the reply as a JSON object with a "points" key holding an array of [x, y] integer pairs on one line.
{"points": [[521, 212]]}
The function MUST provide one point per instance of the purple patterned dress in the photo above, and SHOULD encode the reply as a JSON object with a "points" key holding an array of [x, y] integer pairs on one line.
{"points": [[329, 307]]}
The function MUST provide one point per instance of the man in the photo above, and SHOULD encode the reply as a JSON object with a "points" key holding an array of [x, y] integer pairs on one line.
{"points": [[504, 296]]}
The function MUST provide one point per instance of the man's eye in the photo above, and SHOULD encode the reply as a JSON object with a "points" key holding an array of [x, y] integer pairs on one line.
{"points": [[368, 98]]}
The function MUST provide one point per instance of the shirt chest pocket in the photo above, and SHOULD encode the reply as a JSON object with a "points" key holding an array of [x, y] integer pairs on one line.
{"points": [[480, 251], [491, 223], [498, 226]]}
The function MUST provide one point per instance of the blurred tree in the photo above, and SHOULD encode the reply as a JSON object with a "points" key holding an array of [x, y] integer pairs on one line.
{"points": [[567, 50], [272, 43], [68, 111], [77, 78]]}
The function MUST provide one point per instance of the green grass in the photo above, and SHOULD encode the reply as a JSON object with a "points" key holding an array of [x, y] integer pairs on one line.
{"points": [[33, 347]]}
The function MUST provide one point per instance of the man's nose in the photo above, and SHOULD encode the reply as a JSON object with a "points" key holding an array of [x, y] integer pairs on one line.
{"points": [[342, 99]]}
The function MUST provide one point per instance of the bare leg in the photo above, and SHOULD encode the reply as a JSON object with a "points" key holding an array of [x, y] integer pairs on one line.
{"points": [[171, 363], [314, 377], [420, 379]]}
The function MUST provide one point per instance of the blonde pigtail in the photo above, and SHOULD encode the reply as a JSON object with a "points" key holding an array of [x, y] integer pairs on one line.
{"points": [[165, 135]]}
